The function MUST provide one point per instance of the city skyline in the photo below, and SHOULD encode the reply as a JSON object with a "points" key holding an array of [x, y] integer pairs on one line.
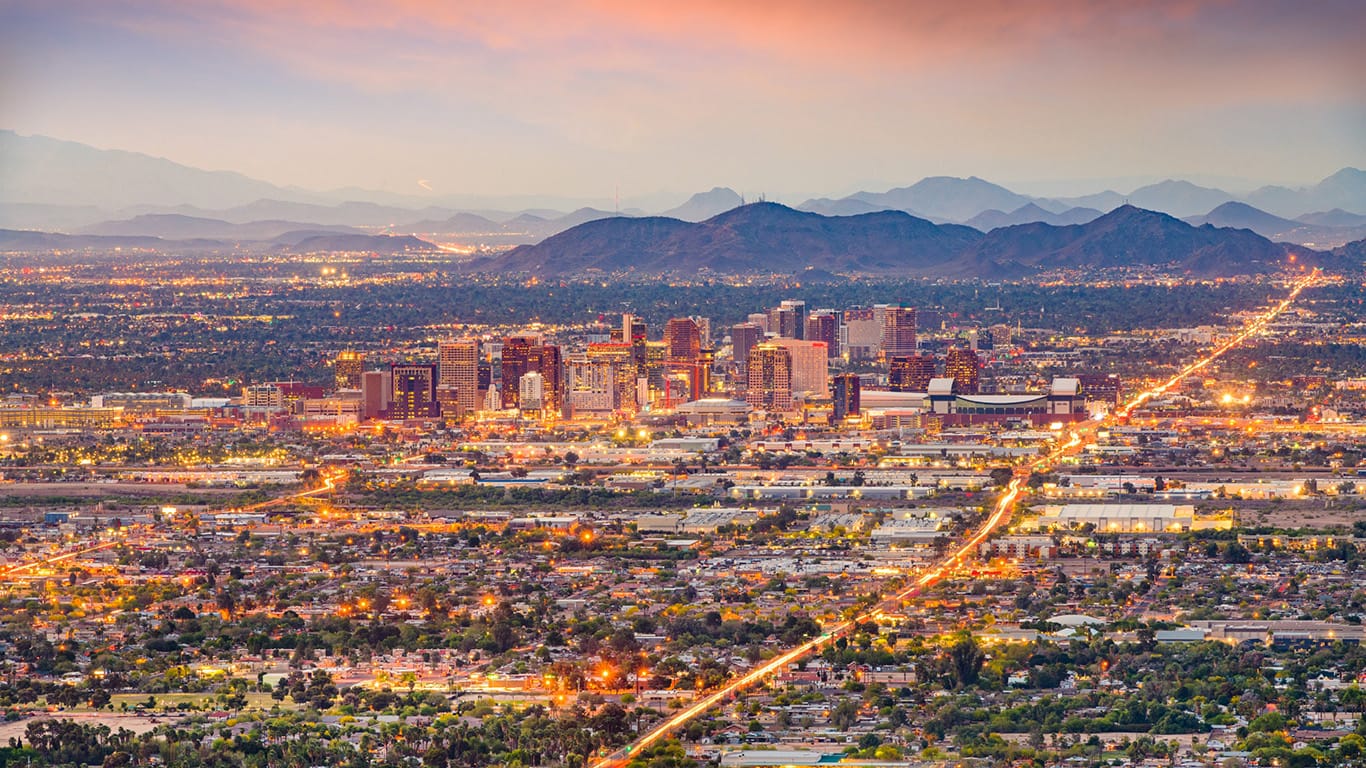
{"points": [[996, 395], [599, 100]]}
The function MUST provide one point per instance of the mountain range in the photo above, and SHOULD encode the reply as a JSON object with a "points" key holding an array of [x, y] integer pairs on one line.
{"points": [[176, 226], [65, 187], [767, 238], [1029, 213], [290, 241], [1325, 230]]}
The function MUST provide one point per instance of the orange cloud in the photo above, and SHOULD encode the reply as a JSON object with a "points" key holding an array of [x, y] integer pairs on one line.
{"points": [[414, 41]]}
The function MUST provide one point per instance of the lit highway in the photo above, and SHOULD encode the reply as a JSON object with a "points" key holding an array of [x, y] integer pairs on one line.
{"points": [[329, 484], [1256, 326], [71, 554], [22, 569], [1081, 435]]}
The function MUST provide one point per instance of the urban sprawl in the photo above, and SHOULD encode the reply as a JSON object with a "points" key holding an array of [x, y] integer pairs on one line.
{"points": [[878, 535]]}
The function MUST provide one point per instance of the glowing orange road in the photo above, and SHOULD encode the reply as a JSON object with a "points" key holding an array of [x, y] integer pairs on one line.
{"points": [[329, 484], [1000, 514], [15, 570], [1256, 326]]}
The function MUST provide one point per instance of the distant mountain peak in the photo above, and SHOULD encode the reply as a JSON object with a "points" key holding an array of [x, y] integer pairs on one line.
{"points": [[1130, 211], [705, 205], [1029, 209], [1030, 213], [946, 198], [759, 208]]}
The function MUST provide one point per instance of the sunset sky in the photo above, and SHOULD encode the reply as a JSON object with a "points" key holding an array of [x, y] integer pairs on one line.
{"points": [[786, 98]]}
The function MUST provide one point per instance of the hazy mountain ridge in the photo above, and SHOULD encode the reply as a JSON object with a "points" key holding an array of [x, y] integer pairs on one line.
{"points": [[326, 241], [1345, 189], [846, 207], [175, 226], [299, 240], [38, 169], [1029, 213], [946, 197], [1243, 216], [56, 185], [1177, 198], [704, 205], [1334, 218]]}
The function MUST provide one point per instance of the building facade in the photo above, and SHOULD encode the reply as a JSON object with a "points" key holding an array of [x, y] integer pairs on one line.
{"points": [[898, 332], [965, 368], [770, 378], [458, 372], [414, 391], [847, 396], [910, 373], [347, 368]]}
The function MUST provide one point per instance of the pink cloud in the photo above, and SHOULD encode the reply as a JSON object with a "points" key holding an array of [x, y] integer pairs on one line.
{"points": [[411, 43], [634, 74]]}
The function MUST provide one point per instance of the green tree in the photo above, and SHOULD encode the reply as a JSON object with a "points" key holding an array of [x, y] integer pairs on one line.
{"points": [[965, 661]]}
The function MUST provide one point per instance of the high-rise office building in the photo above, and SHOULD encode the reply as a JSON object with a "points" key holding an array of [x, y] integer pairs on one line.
{"points": [[824, 325], [810, 366], [788, 320], [625, 372], [1001, 335], [703, 328], [546, 361], [848, 389], [898, 332], [770, 378], [516, 362], [632, 329], [862, 333], [655, 369], [743, 338], [531, 393], [910, 373], [706, 361], [376, 390], [593, 386], [760, 319], [683, 339], [964, 367], [485, 381], [458, 371], [414, 391], [347, 369], [448, 402]]}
